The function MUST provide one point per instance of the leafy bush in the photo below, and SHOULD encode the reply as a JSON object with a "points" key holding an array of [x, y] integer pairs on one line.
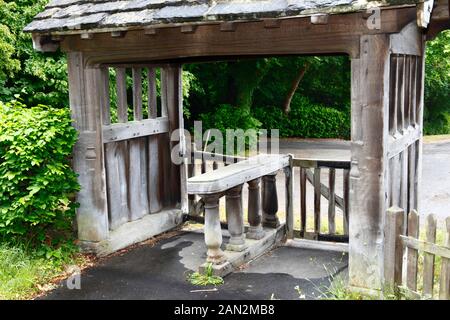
{"points": [[305, 120], [229, 117], [36, 181]]}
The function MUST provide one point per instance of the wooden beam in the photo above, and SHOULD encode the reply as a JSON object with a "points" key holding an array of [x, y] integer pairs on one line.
{"points": [[134, 129], [424, 10], [188, 28], [370, 105], [228, 26], [319, 18], [45, 43], [294, 36]]}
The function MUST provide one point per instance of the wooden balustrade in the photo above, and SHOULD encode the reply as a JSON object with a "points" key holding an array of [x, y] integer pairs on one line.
{"points": [[263, 195], [228, 181]]}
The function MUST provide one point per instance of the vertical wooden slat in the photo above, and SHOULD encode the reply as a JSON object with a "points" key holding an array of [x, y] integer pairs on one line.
{"points": [[105, 96], [346, 196], [289, 200], [413, 90], [393, 253], [428, 260], [317, 196], [122, 104], [154, 174], [172, 78], [411, 269], [412, 177], [444, 286], [407, 95], [152, 94], [393, 94], [331, 202], [138, 193], [404, 180], [116, 161], [303, 200], [401, 95]]}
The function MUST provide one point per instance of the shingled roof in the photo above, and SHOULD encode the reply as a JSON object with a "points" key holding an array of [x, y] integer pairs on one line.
{"points": [[73, 16]]}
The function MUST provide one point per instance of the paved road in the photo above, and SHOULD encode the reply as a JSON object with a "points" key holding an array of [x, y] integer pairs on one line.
{"points": [[435, 186]]}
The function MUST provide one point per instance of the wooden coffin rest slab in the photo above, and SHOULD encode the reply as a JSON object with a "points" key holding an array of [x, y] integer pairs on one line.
{"points": [[225, 178]]}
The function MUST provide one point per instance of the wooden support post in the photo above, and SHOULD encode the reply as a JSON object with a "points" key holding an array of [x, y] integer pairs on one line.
{"points": [[85, 103], [255, 231], [235, 219], [270, 201], [370, 102], [213, 232], [393, 254], [289, 200]]}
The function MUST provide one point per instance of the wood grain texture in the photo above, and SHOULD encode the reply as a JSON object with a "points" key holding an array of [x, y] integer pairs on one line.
{"points": [[86, 107], [428, 258], [412, 255]]}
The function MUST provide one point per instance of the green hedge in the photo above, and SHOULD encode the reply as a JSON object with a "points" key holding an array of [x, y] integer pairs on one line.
{"points": [[36, 182], [306, 120]]}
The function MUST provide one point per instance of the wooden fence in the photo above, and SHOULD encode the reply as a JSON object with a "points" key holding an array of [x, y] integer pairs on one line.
{"points": [[310, 172], [403, 249]]}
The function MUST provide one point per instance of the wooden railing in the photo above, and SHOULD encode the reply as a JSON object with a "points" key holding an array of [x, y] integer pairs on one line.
{"points": [[310, 172], [402, 244], [262, 211]]}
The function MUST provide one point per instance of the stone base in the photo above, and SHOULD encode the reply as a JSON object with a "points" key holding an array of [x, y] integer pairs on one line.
{"points": [[271, 223], [255, 234], [236, 247], [255, 248], [220, 270]]}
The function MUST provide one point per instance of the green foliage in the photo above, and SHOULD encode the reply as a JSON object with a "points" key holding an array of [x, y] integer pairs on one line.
{"points": [[36, 182], [437, 85], [305, 120], [229, 117], [206, 278]]}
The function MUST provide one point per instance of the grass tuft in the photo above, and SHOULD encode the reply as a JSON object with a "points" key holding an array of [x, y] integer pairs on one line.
{"points": [[205, 279]]}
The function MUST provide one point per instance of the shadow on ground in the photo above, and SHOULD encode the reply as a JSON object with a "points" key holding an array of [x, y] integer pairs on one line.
{"points": [[159, 272]]}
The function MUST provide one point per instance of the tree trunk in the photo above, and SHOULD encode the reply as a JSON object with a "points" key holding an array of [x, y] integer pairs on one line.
{"points": [[294, 86]]}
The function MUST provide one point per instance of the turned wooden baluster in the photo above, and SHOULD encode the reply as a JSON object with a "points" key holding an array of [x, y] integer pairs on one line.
{"points": [[255, 230], [235, 219], [213, 232], [270, 201]]}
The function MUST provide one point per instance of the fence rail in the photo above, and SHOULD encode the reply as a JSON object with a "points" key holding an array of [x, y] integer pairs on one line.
{"points": [[403, 248]]}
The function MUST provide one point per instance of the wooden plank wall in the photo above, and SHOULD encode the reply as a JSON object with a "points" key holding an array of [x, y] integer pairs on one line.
{"points": [[404, 130], [140, 176]]}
